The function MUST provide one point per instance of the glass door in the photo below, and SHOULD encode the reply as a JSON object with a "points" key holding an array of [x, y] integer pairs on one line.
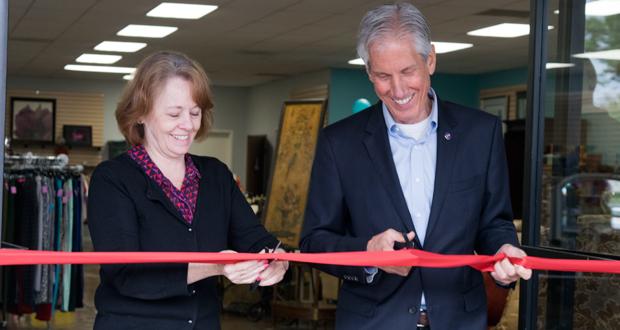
{"points": [[578, 215]]}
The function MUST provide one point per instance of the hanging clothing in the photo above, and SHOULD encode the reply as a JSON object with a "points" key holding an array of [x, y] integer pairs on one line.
{"points": [[43, 211]]}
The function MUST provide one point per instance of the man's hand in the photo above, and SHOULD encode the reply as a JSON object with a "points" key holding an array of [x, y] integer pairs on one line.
{"points": [[385, 242], [505, 272]]}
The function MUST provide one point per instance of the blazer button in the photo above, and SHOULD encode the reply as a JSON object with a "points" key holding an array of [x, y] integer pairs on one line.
{"points": [[189, 229], [412, 310], [190, 321], [193, 292]]}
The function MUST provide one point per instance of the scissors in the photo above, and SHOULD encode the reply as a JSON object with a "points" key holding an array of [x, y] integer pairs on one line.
{"points": [[256, 283], [408, 244]]}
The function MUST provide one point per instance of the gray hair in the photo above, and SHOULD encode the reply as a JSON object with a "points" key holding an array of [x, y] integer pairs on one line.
{"points": [[400, 19]]}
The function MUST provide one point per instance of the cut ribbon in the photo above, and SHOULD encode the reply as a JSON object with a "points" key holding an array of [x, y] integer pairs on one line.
{"points": [[406, 257]]}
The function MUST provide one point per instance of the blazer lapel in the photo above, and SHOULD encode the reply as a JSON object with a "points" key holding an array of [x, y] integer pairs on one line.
{"points": [[447, 143], [379, 151]]}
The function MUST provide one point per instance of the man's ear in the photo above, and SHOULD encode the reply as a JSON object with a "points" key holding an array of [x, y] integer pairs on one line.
{"points": [[431, 60]]}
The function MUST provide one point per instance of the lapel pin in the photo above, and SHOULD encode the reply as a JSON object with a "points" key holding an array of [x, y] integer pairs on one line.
{"points": [[447, 136]]}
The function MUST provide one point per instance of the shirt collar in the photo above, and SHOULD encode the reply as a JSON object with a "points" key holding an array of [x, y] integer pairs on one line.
{"points": [[138, 153], [392, 125], [191, 169]]}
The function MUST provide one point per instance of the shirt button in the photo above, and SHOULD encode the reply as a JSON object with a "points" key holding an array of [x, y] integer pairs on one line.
{"points": [[412, 310], [189, 229], [417, 179], [193, 292], [190, 321], [418, 215]]}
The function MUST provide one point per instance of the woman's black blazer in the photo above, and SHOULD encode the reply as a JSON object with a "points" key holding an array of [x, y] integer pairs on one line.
{"points": [[127, 211]]}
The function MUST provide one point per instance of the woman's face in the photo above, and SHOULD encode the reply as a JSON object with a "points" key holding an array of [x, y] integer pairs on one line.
{"points": [[174, 120]]}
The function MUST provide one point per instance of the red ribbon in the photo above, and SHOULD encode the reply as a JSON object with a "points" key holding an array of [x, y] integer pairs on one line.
{"points": [[410, 257]]}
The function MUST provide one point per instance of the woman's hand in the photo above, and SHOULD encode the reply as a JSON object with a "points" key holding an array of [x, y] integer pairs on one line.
{"points": [[244, 272], [239, 273], [274, 272]]}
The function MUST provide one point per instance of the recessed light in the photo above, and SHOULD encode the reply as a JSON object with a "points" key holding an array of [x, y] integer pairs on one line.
{"points": [[356, 61], [180, 10], [98, 58], [120, 46], [503, 30], [146, 31], [603, 8], [611, 54], [99, 68], [446, 47], [554, 65]]}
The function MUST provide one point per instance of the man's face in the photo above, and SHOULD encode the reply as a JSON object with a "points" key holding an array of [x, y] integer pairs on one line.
{"points": [[401, 78]]}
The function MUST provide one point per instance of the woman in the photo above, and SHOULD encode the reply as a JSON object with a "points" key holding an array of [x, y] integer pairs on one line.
{"points": [[158, 197]]}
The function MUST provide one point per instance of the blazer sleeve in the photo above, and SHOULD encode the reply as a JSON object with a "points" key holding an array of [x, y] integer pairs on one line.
{"points": [[326, 217], [113, 224], [246, 233], [496, 226]]}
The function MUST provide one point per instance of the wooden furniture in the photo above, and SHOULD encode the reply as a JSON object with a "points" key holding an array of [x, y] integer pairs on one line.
{"points": [[305, 302]]}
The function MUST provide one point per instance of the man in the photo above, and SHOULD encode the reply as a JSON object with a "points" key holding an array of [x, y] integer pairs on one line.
{"points": [[414, 166]]}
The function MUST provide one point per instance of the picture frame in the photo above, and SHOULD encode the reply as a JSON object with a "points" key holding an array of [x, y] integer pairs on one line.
{"points": [[33, 120], [496, 105], [76, 135], [287, 194]]}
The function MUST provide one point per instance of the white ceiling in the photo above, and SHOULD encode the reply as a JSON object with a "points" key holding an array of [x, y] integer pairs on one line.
{"points": [[248, 42]]}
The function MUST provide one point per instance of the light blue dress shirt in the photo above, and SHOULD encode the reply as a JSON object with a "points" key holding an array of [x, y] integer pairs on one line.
{"points": [[415, 161], [415, 164]]}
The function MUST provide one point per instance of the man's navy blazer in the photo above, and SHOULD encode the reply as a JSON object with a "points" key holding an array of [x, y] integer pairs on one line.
{"points": [[355, 194]]}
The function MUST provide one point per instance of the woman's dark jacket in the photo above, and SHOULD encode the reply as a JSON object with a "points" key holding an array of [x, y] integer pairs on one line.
{"points": [[127, 211]]}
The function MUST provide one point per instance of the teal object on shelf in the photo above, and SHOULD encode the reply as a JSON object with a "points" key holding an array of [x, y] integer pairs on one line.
{"points": [[360, 104]]}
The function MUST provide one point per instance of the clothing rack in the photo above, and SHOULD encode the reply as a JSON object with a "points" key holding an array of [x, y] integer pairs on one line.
{"points": [[54, 189], [29, 160]]}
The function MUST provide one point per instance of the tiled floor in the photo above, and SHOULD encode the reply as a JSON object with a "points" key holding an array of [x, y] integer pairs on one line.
{"points": [[83, 318]]}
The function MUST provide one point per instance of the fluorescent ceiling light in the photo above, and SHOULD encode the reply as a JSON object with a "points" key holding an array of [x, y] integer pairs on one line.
{"points": [[180, 10], [446, 47], [553, 65], [128, 77], [146, 31], [356, 61], [503, 30], [603, 8], [99, 68], [98, 58], [612, 54], [120, 46]]}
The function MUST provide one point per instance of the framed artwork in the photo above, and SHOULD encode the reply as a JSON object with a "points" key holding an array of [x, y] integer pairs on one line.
{"points": [[33, 119], [77, 135], [300, 123], [496, 105]]}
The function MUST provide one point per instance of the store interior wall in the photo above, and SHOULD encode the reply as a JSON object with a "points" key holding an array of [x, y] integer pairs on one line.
{"points": [[266, 100], [242, 110], [256, 110]]}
